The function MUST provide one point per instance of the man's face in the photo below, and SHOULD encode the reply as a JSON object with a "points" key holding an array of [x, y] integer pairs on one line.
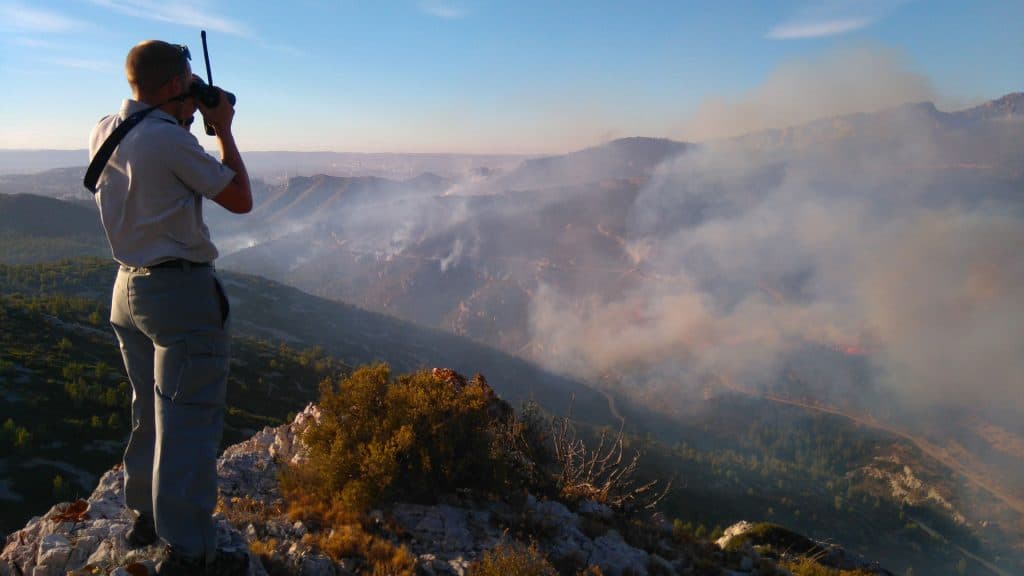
{"points": [[185, 112]]}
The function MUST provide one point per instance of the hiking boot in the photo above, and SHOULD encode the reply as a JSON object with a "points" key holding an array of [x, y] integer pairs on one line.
{"points": [[177, 565], [142, 533], [229, 562]]}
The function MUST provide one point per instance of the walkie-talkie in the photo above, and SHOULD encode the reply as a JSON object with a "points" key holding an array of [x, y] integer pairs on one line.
{"points": [[205, 92]]}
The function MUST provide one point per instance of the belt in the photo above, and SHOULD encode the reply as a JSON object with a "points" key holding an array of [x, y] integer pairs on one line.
{"points": [[180, 263]]}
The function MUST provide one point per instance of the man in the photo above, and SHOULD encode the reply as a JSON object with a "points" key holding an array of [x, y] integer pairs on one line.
{"points": [[168, 308]]}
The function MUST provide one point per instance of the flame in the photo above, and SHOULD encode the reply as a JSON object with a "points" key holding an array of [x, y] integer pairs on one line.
{"points": [[851, 349]]}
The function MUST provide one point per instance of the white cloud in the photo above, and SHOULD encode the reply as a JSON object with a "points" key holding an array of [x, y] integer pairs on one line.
{"points": [[186, 13], [823, 18], [817, 29], [446, 10], [20, 17]]}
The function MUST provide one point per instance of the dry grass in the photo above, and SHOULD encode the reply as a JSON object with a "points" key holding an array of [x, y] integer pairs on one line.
{"points": [[809, 567], [263, 547], [273, 562], [348, 541], [512, 558], [240, 512]]}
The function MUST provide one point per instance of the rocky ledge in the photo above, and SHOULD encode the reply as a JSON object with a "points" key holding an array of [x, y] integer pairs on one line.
{"points": [[87, 537]]}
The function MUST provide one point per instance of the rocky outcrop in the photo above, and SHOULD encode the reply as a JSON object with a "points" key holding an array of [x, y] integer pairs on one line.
{"points": [[444, 538], [88, 537], [904, 487], [747, 543]]}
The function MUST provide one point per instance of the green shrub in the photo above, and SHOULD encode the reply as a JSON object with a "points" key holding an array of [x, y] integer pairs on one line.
{"points": [[412, 437], [14, 436]]}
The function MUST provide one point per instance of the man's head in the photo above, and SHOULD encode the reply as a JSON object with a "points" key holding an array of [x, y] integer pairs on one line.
{"points": [[158, 71]]}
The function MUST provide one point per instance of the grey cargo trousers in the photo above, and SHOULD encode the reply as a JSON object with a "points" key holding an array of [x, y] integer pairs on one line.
{"points": [[172, 327]]}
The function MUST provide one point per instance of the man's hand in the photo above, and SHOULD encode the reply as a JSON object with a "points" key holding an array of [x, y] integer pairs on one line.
{"points": [[237, 195], [221, 116]]}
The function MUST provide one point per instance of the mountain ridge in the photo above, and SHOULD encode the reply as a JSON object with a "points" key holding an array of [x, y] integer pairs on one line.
{"points": [[1010, 105]]}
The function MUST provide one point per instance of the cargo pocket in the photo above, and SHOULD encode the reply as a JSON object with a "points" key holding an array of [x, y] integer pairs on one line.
{"points": [[203, 377]]}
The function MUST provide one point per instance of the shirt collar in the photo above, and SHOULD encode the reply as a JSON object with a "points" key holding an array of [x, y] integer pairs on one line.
{"points": [[129, 107]]}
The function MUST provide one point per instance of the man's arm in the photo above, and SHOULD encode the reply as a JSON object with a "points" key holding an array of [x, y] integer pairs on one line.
{"points": [[237, 195]]}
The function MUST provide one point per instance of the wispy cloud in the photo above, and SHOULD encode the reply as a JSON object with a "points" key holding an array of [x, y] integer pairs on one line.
{"points": [[20, 17], [817, 29], [823, 18], [31, 42], [82, 64], [441, 9], [188, 13]]}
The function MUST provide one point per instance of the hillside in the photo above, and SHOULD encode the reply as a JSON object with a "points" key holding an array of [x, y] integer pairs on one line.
{"points": [[35, 228], [623, 158], [59, 357], [733, 457]]}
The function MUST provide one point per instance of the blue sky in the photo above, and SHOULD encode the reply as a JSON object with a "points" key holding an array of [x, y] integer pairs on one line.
{"points": [[504, 76]]}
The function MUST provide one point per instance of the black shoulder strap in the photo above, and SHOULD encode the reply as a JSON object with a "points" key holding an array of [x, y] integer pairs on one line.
{"points": [[99, 161]]}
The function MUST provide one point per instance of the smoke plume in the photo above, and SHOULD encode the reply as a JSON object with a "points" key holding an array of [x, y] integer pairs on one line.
{"points": [[848, 81], [869, 236]]}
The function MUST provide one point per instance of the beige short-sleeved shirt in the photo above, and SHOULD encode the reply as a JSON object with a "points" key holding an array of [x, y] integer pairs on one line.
{"points": [[151, 193]]}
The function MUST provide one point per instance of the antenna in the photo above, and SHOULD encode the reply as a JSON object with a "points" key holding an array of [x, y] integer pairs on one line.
{"points": [[206, 56], [208, 93]]}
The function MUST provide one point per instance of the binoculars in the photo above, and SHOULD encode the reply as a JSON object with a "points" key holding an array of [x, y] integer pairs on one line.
{"points": [[208, 95]]}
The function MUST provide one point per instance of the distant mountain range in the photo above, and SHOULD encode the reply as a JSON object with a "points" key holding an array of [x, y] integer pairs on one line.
{"points": [[32, 161], [30, 214], [278, 165]]}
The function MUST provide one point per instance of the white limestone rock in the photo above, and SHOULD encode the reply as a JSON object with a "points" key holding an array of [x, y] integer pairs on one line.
{"points": [[54, 551], [616, 557], [738, 529]]}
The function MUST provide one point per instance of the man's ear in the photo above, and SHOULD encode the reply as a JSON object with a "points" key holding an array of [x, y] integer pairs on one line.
{"points": [[179, 85]]}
